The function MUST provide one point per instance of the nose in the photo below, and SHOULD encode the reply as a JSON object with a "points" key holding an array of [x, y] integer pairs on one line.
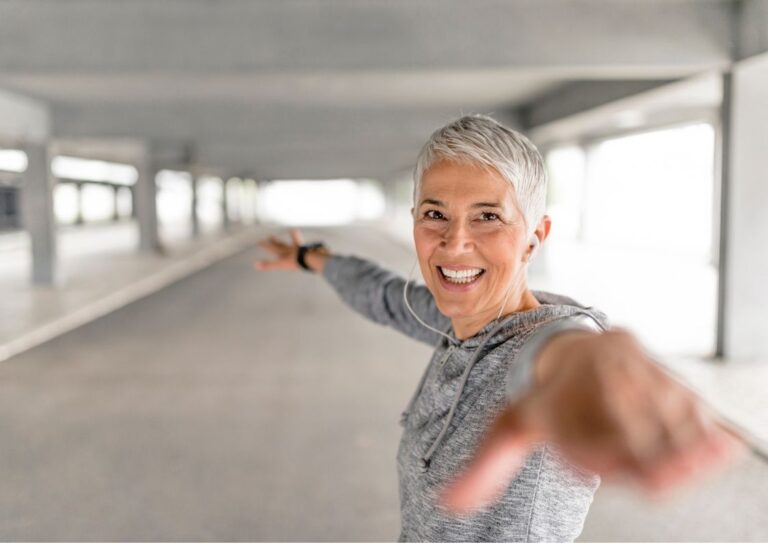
{"points": [[457, 238]]}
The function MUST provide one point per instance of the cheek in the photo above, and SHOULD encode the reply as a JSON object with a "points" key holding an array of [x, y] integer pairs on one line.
{"points": [[425, 239], [501, 252], [424, 245]]}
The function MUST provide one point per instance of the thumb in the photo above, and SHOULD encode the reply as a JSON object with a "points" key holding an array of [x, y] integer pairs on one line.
{"points": [[498, 458]]}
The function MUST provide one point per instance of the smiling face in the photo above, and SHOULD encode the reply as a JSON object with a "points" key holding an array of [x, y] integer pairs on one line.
{"points": [[471, 243]]}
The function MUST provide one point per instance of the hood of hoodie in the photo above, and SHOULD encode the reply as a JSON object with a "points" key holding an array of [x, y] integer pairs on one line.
{"points": [[553, 306]]}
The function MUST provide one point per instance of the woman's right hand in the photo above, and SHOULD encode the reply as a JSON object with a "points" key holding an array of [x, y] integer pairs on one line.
{"points": [[286, 253]]}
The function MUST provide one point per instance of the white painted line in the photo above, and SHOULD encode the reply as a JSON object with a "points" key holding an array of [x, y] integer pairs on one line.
{"points": [[203, 258]]}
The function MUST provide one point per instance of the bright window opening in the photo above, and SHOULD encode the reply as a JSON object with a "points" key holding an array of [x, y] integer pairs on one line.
{"points": [[174, 196], [13, 160], [632, 234], [93, 170], [330, 202]]}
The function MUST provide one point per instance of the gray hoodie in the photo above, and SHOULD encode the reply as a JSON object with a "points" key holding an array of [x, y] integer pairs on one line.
{"points": [[549, 498]]}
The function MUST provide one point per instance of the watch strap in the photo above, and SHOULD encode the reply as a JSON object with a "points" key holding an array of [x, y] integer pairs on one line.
{"points": [[303, 250]]}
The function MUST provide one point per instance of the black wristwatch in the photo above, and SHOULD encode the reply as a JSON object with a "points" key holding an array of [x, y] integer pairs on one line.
{"points": [[304, 249]]}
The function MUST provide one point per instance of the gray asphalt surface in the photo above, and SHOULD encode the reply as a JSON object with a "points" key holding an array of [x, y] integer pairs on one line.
{"points": [[232, 405]]}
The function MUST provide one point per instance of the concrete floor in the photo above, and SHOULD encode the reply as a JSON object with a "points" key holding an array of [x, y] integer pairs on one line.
{"points": [[238, 405], [232, 405], [95, 261]]}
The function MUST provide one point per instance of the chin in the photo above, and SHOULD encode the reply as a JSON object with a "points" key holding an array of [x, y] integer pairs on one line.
{"points": [[454, 310]]}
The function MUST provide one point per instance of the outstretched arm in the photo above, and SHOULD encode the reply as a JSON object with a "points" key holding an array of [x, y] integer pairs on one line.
{"points": [[286, 253], [373, 291], [610, 409]]}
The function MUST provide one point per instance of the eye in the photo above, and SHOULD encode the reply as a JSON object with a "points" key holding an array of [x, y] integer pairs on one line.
{"points": [[489, 216], [433, 214]]}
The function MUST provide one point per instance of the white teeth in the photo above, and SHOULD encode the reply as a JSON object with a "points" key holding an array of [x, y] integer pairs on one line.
{"points": [[461, 276]]}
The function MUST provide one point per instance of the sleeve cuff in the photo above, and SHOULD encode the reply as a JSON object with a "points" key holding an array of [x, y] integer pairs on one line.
{"points": [[521, 376], [331, 267]]}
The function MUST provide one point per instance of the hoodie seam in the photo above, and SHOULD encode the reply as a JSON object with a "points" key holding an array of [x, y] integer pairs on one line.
{"points": [[535, 494]]}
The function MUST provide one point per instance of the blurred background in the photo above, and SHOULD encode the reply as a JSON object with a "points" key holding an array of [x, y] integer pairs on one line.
{"points": [[154, 386]]}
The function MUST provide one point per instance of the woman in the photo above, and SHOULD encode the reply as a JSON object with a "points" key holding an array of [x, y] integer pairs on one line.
{"points": [[528, 398]]}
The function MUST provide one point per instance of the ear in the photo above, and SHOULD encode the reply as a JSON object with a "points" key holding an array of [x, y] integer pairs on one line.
{"points": [[412, 215], [543, 228]]}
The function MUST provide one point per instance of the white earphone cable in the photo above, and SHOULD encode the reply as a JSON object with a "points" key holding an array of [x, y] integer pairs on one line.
{"points": [[415, 316]]}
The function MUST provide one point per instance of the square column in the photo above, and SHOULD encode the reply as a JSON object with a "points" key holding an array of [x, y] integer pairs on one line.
{"points": [[195, 219], [743, 296], [225, 221], [37, 213], [145, 204], [190, 160]]}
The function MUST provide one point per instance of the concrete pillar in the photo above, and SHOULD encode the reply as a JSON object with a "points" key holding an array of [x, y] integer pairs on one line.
{"points": [[743, 296], [79, 217], [225, 222], [194, 218], [145, 204], [134, 214], [190, 159], [250, 197], [255, 201], [115, 200], [37, 213]]}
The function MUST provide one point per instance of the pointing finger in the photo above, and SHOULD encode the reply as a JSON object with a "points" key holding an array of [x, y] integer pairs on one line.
{"points": [[498, 458]]}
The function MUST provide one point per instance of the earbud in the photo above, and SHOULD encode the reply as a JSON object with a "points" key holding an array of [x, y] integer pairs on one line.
{"points": [[534, 244]]}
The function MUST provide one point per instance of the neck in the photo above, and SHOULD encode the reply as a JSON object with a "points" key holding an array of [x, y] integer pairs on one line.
{"points": [[466, 327]]}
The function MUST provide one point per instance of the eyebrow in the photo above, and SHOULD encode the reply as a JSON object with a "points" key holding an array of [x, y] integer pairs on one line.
{"points": [[476, 204]]}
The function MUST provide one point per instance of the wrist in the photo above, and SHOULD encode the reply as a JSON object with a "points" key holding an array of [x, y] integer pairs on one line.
{"points": [[316, 259], [304, 252]]}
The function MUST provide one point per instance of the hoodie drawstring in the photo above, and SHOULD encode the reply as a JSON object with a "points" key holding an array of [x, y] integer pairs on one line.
{"points": [[424, 463]]}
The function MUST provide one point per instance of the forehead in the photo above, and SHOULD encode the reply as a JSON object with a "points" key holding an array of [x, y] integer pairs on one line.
{"points": [[459, 181]]}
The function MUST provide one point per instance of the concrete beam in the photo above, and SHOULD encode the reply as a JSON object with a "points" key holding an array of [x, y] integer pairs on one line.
{"points": [[694, 98], [273, 143], [228, 123], [752, 28], [121, 150], [579, 96], [149, 36]]}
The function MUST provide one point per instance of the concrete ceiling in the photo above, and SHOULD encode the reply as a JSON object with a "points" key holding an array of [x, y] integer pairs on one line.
{"points": [[333, 88]]}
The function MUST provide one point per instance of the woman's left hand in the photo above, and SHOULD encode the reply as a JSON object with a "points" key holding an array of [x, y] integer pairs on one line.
{"points": [[609, 409]]}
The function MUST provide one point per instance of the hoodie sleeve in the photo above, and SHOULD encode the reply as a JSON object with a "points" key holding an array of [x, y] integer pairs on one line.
{"points": [[520, 377], [377, 294]]}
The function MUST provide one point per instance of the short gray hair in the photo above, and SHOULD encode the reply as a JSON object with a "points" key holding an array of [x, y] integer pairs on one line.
{"points": [[481, 140]]}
